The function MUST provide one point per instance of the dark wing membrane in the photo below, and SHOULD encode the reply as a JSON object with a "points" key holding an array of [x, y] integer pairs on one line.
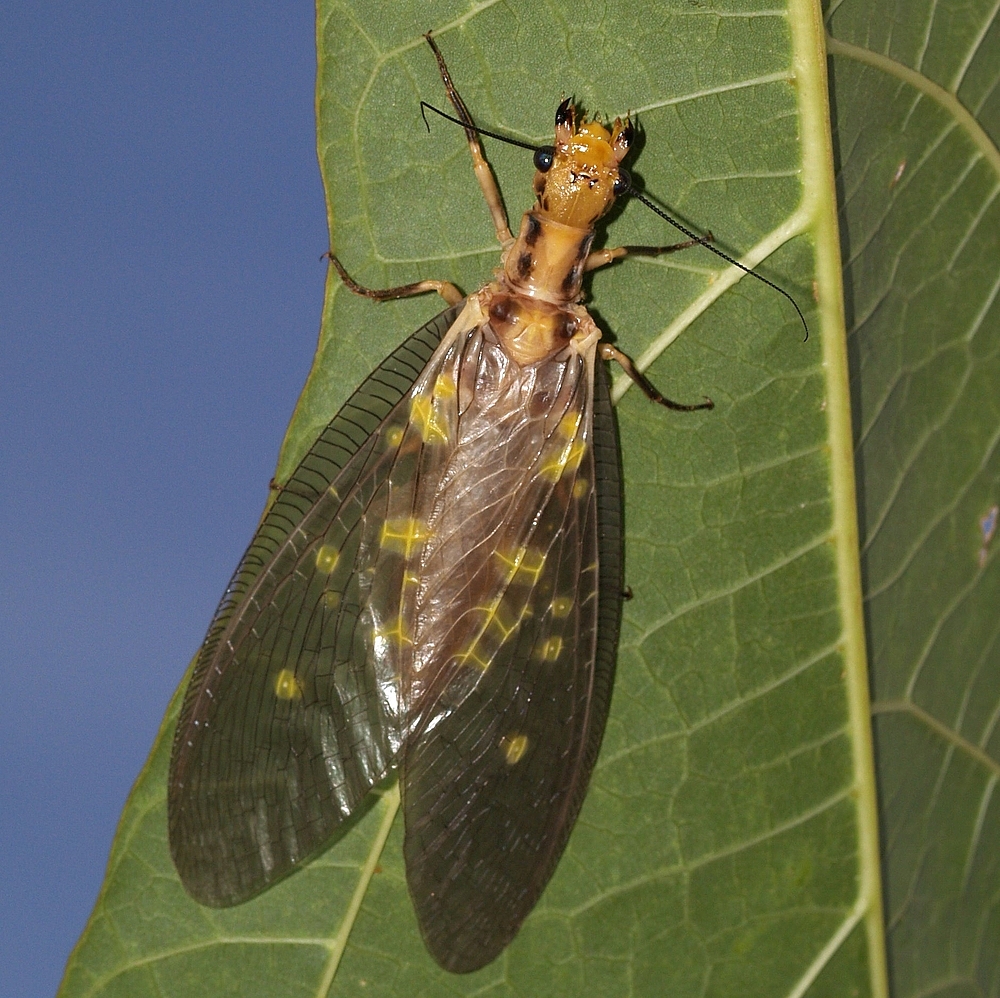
{"points": [[493, 786], [285, 725], [611, 552]]}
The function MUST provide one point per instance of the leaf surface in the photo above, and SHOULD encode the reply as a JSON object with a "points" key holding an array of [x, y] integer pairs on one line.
{"points": [[728, 842], [918, 120]]}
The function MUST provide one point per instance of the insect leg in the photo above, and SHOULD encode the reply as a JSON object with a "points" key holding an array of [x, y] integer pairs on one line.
{"points": [[601, 258], [608, 352], [445, 289], [487, 182]]}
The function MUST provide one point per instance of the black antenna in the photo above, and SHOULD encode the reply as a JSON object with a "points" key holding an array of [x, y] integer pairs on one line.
{"points": [[725, 256], [425, 107]]}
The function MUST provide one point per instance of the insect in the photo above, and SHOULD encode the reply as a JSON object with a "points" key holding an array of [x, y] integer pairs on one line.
{"points": [[436, 590]]}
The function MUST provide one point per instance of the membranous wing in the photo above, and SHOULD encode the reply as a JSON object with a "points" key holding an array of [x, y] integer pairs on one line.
{"points": [[291, 716], [437, 587], [516, 609]]}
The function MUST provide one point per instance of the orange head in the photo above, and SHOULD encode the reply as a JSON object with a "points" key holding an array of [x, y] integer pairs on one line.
{"points": [[578, 178]]}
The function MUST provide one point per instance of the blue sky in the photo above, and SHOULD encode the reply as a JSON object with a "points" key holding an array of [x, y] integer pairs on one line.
{"points": [[160, 295]]}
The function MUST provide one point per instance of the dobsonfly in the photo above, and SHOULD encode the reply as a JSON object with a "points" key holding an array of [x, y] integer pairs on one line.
{"points": [[436, 590]]}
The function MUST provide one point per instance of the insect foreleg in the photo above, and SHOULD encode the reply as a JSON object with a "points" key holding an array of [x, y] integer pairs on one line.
{"points": [[487, 182], [601, 258], [608, 352], [445, 289]]}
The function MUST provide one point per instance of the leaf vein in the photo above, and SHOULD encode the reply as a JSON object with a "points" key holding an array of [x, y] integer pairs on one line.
{"points": [[907, 706]]}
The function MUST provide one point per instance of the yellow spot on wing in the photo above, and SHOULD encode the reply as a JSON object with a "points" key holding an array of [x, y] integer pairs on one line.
{"points": [[394, 436], [330, 599], [397, 634], [428, 415], [561, 606], [580, 488], [404, 536], [496, 621], [326, 558], [548, 651], [574, 454], [569, 425], [496, 628], [286, 686], [570, 453], [473, 658], [445, 387], [514, 746], [524, 561]]}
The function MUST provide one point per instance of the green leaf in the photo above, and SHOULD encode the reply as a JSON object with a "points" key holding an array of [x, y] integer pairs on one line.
{"points": [[728, 845], [918, 119]]}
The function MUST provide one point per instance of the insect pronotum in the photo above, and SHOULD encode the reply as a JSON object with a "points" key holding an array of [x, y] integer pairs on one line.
{"points": [[436, 590]]}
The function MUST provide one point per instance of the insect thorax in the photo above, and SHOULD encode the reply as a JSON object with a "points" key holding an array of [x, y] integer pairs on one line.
{"points": [[546, 261]]}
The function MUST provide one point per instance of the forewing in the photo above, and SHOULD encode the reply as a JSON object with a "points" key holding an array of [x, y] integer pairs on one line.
{"points": [[504, 739], [289, 719]]}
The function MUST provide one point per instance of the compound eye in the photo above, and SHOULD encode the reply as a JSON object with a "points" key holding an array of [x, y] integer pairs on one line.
{"points": [[622, 182], [544, 155]]}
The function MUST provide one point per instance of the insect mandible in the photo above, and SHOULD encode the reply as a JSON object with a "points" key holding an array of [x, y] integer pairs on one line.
{"points": [[436, 590]]}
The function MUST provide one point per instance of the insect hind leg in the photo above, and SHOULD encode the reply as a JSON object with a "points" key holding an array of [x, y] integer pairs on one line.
{"points": [[608, 352], [445, 289], [487, 182]]}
